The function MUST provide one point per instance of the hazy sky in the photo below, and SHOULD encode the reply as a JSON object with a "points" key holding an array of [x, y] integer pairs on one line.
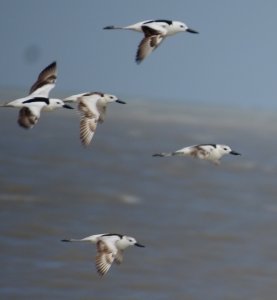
{"points": [[232, 60]]}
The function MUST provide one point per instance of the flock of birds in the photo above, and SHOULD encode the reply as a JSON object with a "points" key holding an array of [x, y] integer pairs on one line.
{"points": [[92, 107]]}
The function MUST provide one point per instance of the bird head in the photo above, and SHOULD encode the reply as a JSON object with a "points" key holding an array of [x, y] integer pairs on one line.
{"points": [[57, 103], [180, 26], [127, 241], [111, 98], [224, 149]]}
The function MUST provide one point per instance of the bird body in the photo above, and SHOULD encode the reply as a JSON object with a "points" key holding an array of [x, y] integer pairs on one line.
{"points": [[38, 100], [210, 152], [155, 31], [110, 247], [92, 107]]}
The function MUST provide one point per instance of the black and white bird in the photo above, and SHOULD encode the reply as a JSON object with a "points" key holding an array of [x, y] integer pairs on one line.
{"points": [[210, 152], [92, 106], [155, 31], [38, 99], [110, 248]]}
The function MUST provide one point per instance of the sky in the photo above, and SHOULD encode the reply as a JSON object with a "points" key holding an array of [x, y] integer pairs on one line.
{"points": [[232, 61]]}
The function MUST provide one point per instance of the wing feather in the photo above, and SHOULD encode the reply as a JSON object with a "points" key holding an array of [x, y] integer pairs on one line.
{"points": [[45, 81], [104, 258], [152, 39], [89, 118], [27, 118]]}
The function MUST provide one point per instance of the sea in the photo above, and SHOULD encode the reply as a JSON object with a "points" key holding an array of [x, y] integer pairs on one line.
{"points": [[210, 231]]}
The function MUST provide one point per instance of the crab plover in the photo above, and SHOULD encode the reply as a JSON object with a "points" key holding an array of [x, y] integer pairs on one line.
{"points": [[155, 31], [110, 247], [92, 107], [211, 152], [38, 99]]}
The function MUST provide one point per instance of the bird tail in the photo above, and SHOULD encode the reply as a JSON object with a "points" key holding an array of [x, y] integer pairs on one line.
{"points": [[6, 104], [71, 240], [163, 154], [113, 27]]}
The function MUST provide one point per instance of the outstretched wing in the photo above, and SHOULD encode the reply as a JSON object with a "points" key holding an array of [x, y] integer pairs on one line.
{"points": [[104, 258], [45, 81], [87, 105], [152, 39]]}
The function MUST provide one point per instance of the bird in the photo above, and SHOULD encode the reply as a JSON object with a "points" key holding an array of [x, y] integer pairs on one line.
{"points": [[210, 152], [110, 247], [155, 31], [92, 106], [38, 99]]}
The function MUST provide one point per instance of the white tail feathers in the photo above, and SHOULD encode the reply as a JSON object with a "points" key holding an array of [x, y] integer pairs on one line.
{"points": [[163, 154]]}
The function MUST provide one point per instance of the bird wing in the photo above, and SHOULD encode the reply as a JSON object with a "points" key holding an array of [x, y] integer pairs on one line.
{"points": [[106, 253], [87, 105], [152, 39], [211, 153], [28, 116], [102, 108], [119, 257], [201, 151], [45, 82]]}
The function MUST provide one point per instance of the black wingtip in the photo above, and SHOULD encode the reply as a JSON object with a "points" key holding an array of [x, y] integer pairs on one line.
{"points": [[53, 64]]}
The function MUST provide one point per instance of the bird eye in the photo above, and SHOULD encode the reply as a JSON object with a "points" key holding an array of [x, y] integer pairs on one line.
{"points": [[182, 26]]}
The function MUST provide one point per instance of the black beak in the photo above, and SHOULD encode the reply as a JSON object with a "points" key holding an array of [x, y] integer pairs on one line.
{"points": [[139, 245], [119, 101], [67, 106], [191, 30], [235, 153]]}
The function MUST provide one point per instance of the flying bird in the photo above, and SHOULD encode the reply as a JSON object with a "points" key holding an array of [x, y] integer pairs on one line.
{"points": [[110, 248], [155, 31], [92, 106], [210, 152], [38, 99]]}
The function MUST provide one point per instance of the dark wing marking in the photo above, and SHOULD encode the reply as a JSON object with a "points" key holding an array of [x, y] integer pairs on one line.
{"points": [[148, 45], [112, 234], [26, 118], [148, 31], [169, 22], [46, 76], [37, 99]]}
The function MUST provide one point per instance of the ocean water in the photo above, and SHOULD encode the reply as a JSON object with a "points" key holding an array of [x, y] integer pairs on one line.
{"points": [[209, 231]]}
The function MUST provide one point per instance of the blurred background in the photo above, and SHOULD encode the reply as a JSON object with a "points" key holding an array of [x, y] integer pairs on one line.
{"points": [[209, 231]]}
